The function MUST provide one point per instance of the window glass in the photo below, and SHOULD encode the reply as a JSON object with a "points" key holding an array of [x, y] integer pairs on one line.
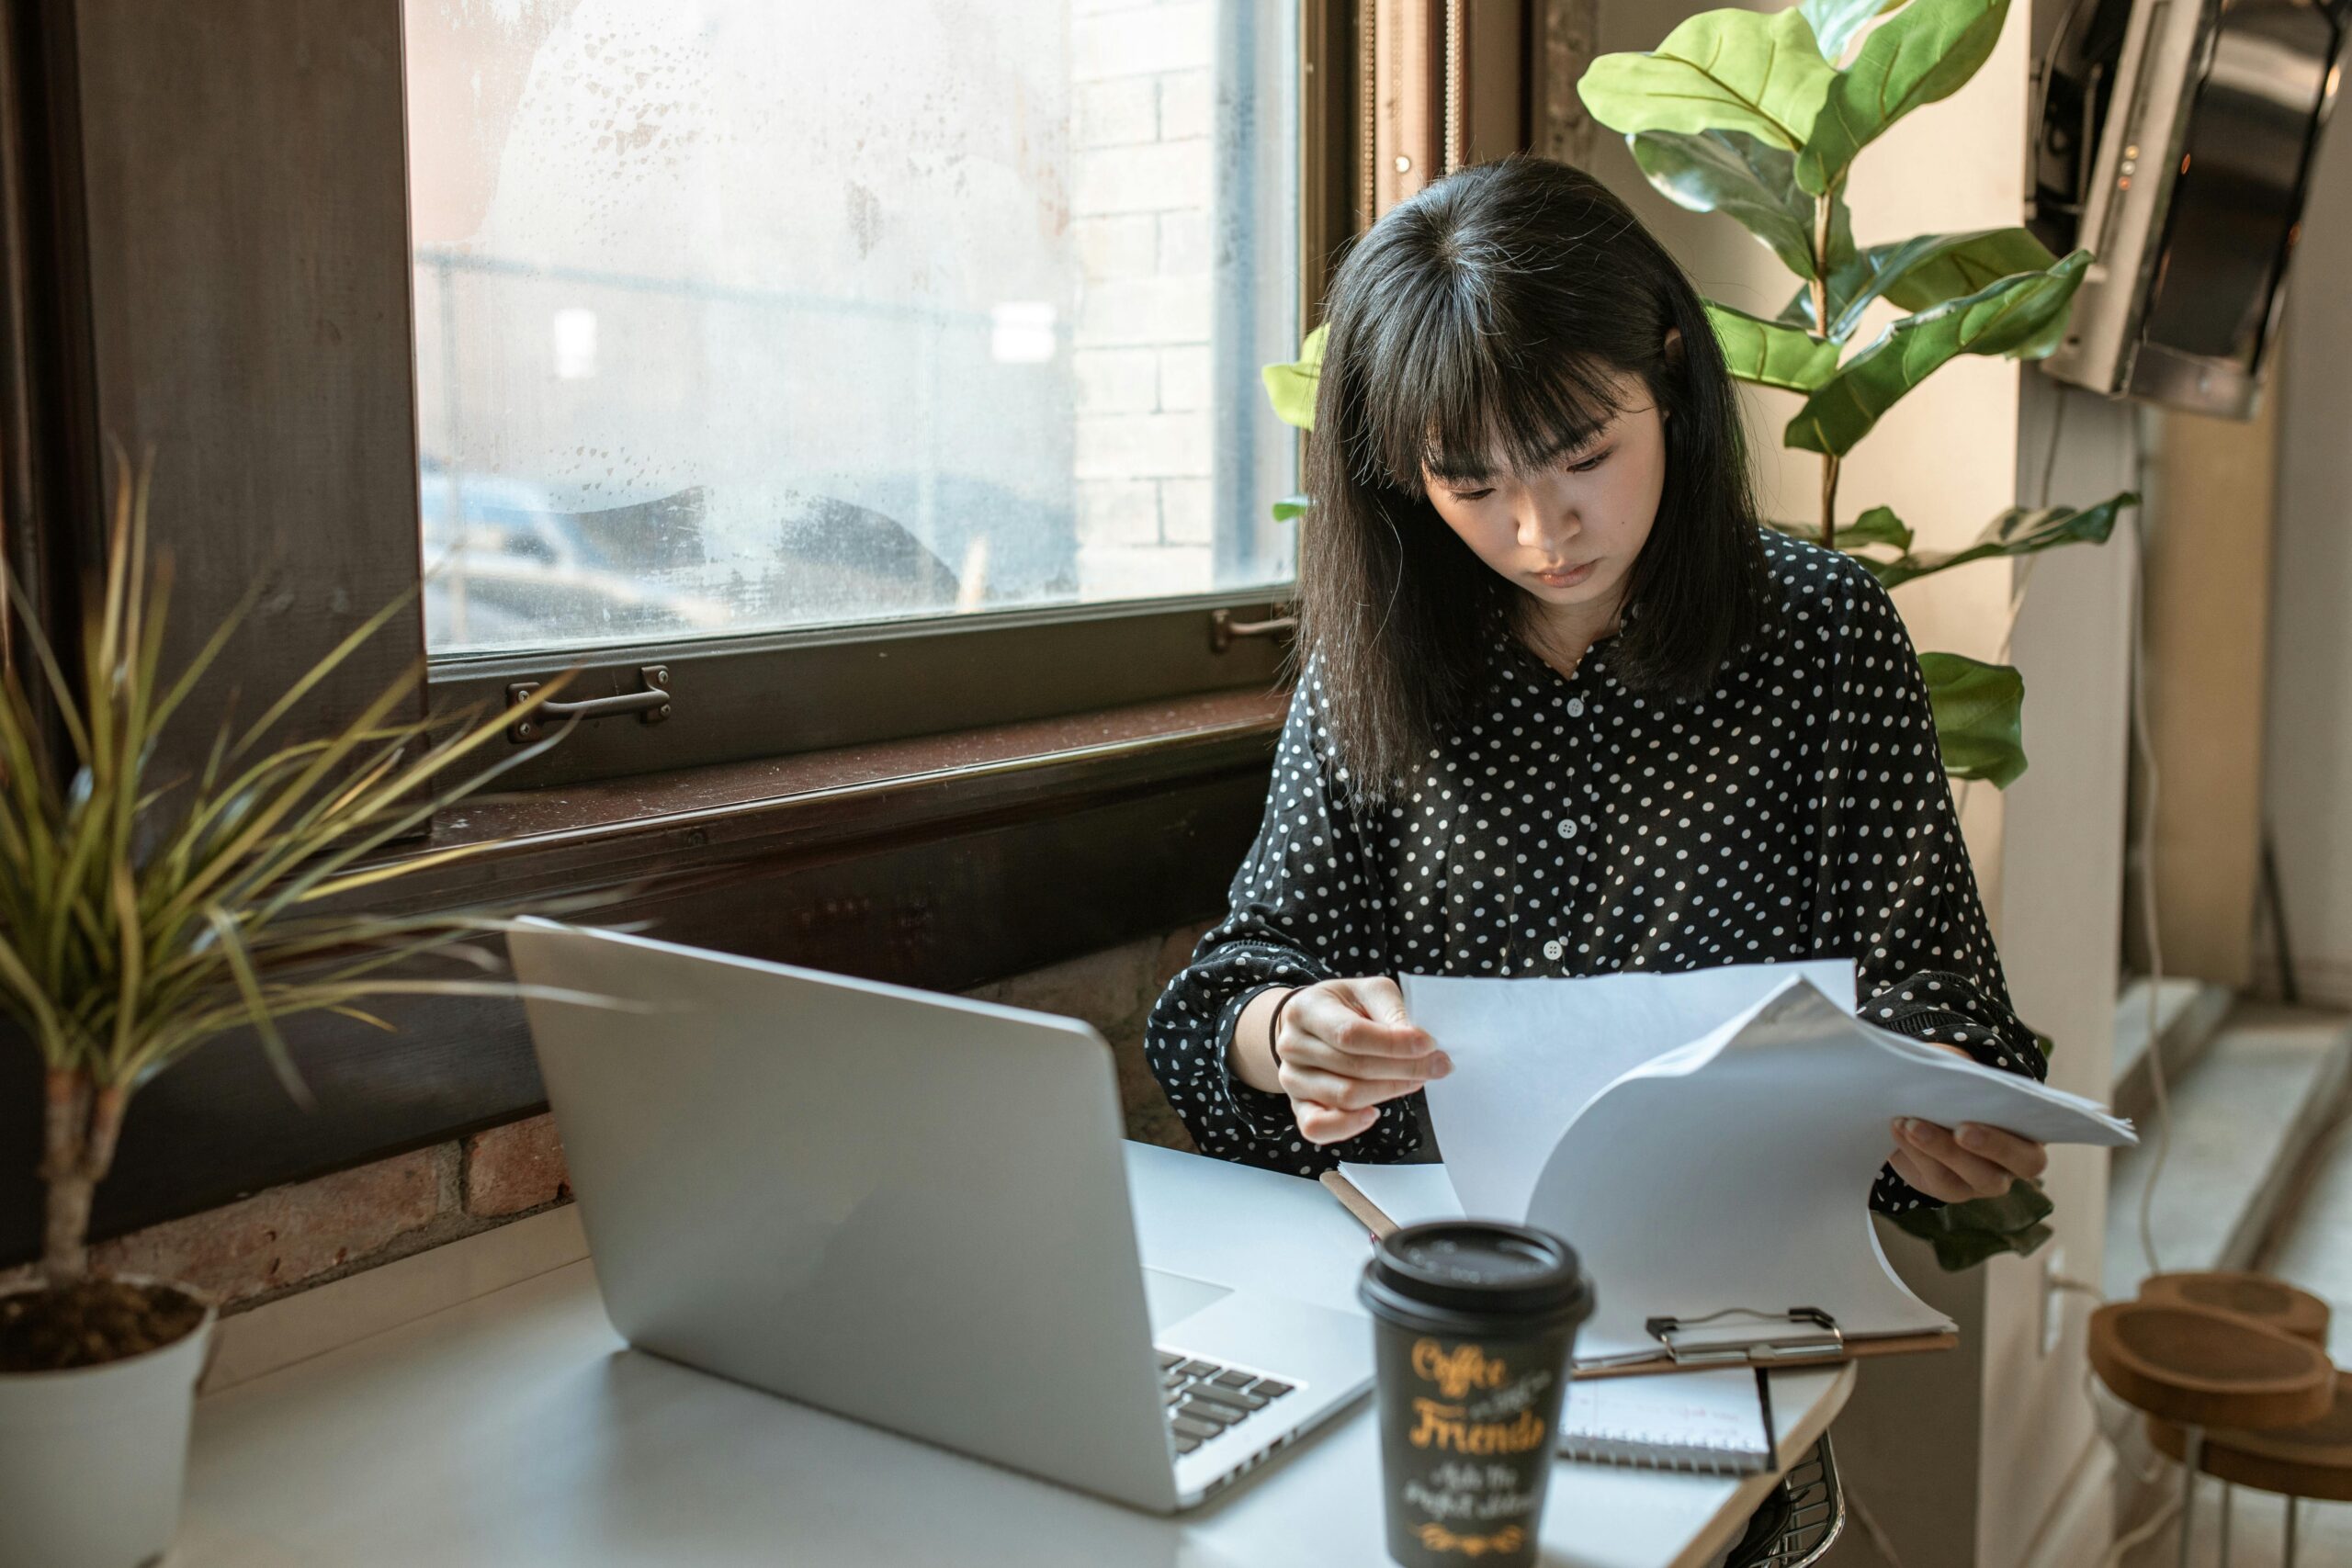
{"points": [[736, 316]]}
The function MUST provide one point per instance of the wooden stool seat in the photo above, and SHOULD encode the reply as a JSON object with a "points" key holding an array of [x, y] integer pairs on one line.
{"points": [[2311, 1461], [2203, 1368], [2258, 1296]]}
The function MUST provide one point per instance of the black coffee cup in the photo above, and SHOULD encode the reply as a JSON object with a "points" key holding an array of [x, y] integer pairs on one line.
{"points": [[1474, 1322]]}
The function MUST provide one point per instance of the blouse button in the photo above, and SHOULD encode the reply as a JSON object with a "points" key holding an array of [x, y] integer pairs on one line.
{"points": [[1576, 707], [1568, 826], [1552, 950]]}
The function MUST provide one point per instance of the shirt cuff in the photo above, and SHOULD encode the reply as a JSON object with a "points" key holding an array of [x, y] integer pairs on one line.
{"points": [[1944, 1009], [1264, 1114]]}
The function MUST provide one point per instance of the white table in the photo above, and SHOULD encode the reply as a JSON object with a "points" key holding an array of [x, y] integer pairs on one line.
{"points": [[518, 1430]]}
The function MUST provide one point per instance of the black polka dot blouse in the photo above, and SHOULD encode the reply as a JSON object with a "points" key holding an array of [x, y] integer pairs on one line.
{"points": [[1797, 811]]}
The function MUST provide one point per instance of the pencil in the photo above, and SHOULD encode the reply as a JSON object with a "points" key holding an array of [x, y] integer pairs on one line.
{"points": [[1353, 1200]]}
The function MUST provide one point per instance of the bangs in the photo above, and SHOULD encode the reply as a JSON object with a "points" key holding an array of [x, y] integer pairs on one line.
{"points": [[1459, 395]]}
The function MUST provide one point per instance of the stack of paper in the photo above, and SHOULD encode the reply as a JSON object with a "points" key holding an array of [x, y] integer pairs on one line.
{"points": [[1706, 1141]]}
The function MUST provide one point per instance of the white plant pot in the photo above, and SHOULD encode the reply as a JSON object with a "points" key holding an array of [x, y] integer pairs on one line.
{"points": [[92, 1459]]}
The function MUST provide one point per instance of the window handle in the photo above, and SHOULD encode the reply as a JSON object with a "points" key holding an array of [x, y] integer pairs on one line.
{"points": [[1224, 628], [652, 705]]}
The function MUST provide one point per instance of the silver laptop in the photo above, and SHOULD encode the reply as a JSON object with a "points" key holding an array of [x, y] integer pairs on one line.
{"points": [[909, 1209]]}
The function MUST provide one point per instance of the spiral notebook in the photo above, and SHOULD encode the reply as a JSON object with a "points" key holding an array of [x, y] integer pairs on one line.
{"points": [[1716, 1423]]}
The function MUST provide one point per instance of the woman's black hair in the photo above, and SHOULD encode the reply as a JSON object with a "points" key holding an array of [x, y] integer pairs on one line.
{"points": [[1494, 314]]}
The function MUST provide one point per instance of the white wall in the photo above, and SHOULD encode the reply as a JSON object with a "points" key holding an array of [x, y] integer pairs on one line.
{"points": [[1962, 1462], [2308, 762]]}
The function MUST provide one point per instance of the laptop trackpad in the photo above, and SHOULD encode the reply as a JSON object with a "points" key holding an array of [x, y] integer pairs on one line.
{"points": [[1175, 1297]]}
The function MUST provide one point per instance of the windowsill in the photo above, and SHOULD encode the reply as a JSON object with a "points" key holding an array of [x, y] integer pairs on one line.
{"points": [[946, 863], [826, 802]]}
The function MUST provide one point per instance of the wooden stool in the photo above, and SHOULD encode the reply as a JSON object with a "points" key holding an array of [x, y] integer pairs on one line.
{"points": [[2202, 1368], [2274, 1301], [2311, 1461]]}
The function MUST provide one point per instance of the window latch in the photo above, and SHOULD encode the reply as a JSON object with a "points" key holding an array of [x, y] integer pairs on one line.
{"points": [[652, 706], [1224, 628]]}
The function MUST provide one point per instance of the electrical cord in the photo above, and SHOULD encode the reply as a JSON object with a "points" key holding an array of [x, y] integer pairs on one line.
{"points": [[1872, 1531], [2142, 1533], [2144, 744], [2144, 748]]}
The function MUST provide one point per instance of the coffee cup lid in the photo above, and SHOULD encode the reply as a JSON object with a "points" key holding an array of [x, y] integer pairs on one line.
{"points": [[1482, 1266]]}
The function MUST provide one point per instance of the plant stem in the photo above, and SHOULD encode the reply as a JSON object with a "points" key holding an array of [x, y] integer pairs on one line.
{"points": [[105, 1132], [1823, 205], [1821, 265], [81, 1125], [66, 1125], [1829, 501], [65, 1246]]}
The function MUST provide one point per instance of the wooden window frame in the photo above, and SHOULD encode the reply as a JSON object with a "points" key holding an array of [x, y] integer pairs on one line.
{"points": [[223, 278], [141, 300]]}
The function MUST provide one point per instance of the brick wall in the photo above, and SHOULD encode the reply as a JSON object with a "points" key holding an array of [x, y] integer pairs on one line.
{"points": [[1141, 74], [294, 1237]]}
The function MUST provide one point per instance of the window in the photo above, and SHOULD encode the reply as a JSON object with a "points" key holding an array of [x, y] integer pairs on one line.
{"points": [[735, 318], [211, 243]]}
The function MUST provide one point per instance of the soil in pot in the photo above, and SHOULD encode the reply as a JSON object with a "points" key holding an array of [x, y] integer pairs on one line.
{"points": [[90, 1323]]}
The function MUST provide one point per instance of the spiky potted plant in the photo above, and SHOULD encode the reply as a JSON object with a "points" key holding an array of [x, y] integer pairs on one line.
{"points": [[142, 915]]}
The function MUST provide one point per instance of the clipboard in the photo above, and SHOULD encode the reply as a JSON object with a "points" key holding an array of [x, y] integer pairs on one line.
{"points": [[1791, 1337]]}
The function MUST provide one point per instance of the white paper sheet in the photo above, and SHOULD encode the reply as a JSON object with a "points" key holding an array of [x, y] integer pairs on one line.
{"points": [[1529, 1054], [1725, 1161], [1732, 1173]]}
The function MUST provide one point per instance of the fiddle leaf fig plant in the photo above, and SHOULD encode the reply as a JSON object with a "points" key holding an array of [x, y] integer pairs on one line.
{"points": [[1760, 117], [1776, 161]]}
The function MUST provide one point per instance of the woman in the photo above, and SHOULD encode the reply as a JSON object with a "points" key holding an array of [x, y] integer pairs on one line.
{"points": [[1565, 707]]}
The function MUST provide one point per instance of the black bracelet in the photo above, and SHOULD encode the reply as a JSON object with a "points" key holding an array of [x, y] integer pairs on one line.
{"points": [[1275, 1026]]}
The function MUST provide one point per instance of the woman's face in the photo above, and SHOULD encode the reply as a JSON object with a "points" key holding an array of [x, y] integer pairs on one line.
{"points": [[1568, 533]]}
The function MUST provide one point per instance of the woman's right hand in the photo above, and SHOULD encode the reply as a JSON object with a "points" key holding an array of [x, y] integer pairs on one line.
{"points": [[1344, 1048]]}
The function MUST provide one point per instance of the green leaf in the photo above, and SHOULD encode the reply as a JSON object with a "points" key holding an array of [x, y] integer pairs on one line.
{"points": [[1733, 173], [2006, 317], [1727, 70], [1927, 53], [258, 1010], [1922, 271], [2044, 343], [1289, 507], [1942, 267], [2020, 531], [1835, 22], [1965, 1235], [1769, 354], [1291, 387], [1879, 525], [1979, 717]]}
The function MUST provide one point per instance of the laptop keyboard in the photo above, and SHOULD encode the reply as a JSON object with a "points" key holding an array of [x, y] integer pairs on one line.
{"points": [[1206, 1400]]}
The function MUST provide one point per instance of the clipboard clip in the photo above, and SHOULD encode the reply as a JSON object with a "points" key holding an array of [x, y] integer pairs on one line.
{"points": [[1776, 1338]]}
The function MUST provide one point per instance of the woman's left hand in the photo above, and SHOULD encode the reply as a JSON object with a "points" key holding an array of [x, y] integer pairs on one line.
{"points": [[1971, 1161], [1954, 1165]]}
